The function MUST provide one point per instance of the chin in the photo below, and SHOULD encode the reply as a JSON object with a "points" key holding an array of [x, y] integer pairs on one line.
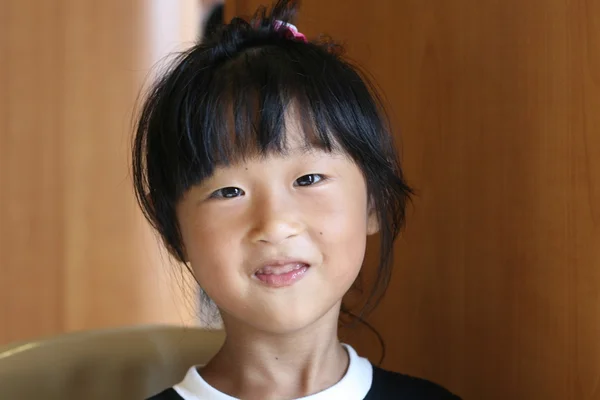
{"points": [[288, 322]]}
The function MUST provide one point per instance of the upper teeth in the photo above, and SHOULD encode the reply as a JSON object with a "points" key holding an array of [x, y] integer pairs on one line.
{"points": [[279, 270]]}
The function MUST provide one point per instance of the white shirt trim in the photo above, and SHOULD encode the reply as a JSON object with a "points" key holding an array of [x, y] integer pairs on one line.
{"points": [[354, 385]]}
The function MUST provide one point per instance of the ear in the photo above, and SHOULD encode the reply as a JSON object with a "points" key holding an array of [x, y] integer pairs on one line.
{"points": [[372, 219]]}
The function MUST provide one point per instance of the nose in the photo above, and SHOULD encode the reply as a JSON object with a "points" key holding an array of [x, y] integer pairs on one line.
{"points": [[275, 220]]}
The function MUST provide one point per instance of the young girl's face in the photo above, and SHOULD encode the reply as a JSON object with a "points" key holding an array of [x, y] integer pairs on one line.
{"points": [[277, 241]]}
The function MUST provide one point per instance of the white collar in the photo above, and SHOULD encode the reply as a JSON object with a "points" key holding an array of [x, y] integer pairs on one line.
{"points": [[354, 385]]}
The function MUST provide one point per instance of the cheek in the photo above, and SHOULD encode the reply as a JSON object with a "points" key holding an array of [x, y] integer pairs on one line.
{"points": [[340, 215], [341, 231], [345, 264], [205, 232], [215, 265], [211, 249]]}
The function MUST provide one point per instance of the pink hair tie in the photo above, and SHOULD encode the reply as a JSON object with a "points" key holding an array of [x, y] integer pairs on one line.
{"points": [[290, 30]]}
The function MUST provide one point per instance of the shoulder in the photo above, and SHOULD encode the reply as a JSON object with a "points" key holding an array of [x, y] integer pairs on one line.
{"points": [[386, 384], [169, 394]]}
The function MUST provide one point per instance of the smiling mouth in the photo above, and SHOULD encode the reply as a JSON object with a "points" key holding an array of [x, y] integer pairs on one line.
{"points": [[281, 275]]}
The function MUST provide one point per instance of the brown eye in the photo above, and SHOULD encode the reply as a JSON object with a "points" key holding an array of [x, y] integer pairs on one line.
{"points": [[309, 179], [227, 193]]}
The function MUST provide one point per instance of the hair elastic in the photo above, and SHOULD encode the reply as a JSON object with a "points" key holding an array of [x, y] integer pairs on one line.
{"points": [[289, 30]]}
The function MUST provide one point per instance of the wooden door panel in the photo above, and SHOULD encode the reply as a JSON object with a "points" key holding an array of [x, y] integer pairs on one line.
{"points": [[496, 292]]}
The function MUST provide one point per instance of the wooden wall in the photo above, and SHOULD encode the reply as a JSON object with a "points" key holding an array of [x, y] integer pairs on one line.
{"points": [[75, 252], [496, 292]]}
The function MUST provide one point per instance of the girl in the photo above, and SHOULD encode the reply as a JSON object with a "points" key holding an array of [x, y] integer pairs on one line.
{"points": [[264, 162]]}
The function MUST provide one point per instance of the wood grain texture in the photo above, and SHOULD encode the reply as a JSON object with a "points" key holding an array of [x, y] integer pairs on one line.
{"points": [[75, 252], [496, 292]]}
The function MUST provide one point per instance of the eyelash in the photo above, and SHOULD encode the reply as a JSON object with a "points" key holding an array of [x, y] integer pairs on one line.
{"points": [[222, 193], [321, 178]]}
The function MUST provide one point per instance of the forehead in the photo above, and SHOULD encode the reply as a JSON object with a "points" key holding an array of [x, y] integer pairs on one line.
{"points": [[294, 133], [300, 135]]}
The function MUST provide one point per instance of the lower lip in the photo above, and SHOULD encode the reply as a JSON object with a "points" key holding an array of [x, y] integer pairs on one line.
{"points": [[287, 279]]}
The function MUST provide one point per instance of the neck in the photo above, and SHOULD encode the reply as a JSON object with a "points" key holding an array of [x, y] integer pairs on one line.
{"points": [[256, 365]]}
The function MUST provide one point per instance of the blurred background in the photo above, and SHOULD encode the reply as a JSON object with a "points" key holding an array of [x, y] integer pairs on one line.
{"points": [[75, 252], [496, 292]]}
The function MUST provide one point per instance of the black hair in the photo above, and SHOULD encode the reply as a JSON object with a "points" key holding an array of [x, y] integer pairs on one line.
{"points": [[228, 95], [213, 21]]}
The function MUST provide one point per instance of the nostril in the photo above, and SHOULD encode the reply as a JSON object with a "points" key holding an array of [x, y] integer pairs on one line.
{"points": [[275, 232]]}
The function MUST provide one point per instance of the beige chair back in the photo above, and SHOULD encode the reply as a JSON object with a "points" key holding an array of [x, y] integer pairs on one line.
{"points": [[125, 363]]}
